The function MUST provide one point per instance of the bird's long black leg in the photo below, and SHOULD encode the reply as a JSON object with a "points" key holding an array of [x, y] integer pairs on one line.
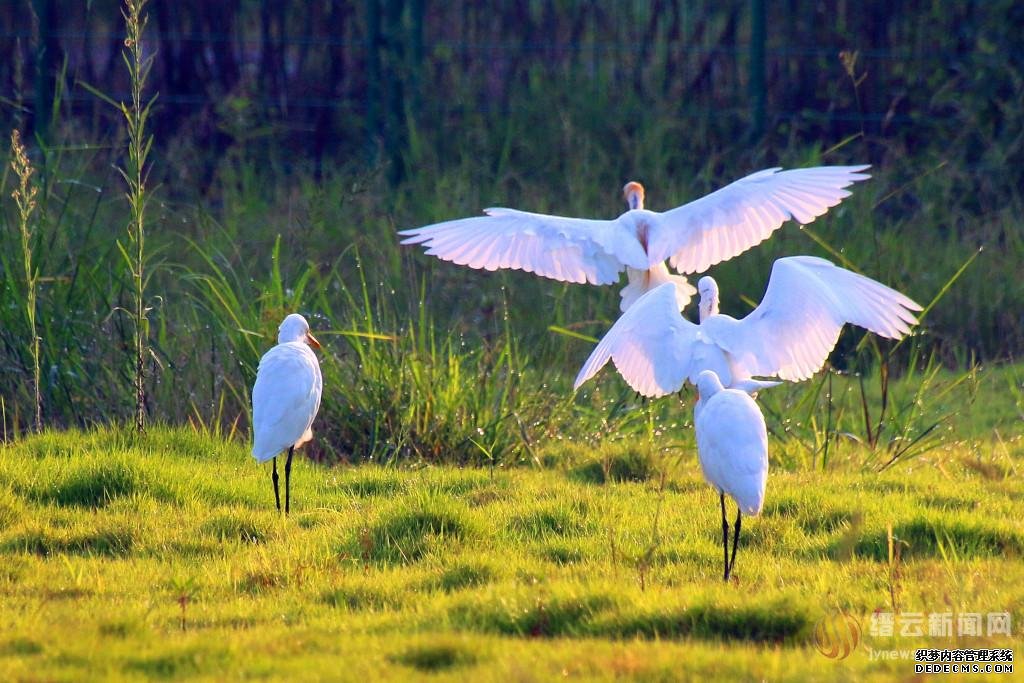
{"points": [[288, 480], [277, 493], [735, 540], [725, 539]]}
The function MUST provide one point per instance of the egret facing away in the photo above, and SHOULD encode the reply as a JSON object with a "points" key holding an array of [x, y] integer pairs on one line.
{"points": [[789, 335], [285, 398], [732, 445], [692, 237]]}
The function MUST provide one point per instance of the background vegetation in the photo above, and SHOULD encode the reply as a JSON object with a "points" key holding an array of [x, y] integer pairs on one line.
{"points": [[291, 141]]}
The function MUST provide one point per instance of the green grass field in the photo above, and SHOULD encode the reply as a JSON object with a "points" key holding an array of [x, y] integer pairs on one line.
{"points": [[161, 556]]}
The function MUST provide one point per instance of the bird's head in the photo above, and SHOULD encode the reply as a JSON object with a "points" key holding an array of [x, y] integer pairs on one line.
{"points": [[633, 193], [707, 288], [708, 385], [294, 328]]}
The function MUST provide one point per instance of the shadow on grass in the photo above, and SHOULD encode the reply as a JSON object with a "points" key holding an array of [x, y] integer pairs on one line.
{"points": [[923, 536], [94, 484], [111, 542], [406, 535], [434, 657], [459, 576], [179, 664], [600, 615], [237, 526]]}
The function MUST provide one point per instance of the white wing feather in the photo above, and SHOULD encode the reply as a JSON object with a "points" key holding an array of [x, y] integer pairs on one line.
{"points": [[807, 302], [285, 399], [731, 220], [567, 249], [651, 345]]}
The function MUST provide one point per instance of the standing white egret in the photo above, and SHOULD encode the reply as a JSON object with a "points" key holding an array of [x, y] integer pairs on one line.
{"points": [[285, 398], [692, 237], [732, 445], [789, 335]]}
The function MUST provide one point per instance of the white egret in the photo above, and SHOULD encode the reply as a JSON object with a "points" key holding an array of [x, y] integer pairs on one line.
{"points": [[285, 398], [692, 237], [788, 336], [732, 445]]}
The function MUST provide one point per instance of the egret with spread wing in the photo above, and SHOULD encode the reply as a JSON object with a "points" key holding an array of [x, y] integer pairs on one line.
{"points": [[788, 336], [692, 237], [732, 446], [285, 398]]}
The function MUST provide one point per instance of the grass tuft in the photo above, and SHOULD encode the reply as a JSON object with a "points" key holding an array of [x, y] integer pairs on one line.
{"points": [[95, 484], [922, 537], [405, 535], [536, 617], [240, 526], [461, 575], [361, 596], [618, 463], [112, 541], [560, 519]]}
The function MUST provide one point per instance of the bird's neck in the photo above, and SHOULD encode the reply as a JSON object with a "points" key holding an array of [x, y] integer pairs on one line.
{"points": [[708, 309]]}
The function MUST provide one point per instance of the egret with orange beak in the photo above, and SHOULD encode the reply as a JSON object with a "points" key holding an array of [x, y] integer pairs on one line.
{"points": [[285, 398]]}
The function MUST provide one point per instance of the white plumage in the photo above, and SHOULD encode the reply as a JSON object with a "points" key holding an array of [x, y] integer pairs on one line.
{"points": [[788, 336], [692, 237], [286, 396], [732, 445], [732, 442]]}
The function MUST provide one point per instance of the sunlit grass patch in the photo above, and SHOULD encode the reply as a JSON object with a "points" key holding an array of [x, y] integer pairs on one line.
{"points": [[541, 572]]}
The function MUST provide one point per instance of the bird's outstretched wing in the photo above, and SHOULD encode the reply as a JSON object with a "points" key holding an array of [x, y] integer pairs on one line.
{"points": [[731, 220], [651, 345], [567, 249], [807, 302], [285, 399]]}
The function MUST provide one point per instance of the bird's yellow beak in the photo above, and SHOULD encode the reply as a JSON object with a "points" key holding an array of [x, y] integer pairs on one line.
{"points": [[311, 340]]}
